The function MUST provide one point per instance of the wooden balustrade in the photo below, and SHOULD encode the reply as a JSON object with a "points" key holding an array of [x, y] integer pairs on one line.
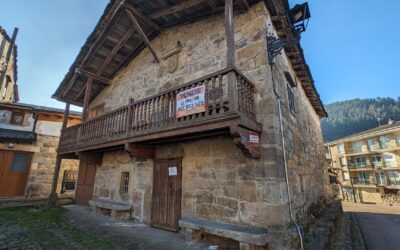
{"points": [[158, 113]]}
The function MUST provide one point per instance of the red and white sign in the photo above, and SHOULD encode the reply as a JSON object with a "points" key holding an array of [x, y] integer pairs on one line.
{"points": [[190, 101], [254, 138]]}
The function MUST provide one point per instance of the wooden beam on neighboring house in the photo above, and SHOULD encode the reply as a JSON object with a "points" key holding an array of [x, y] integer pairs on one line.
{"points": [[144, 19], [88, 95], [8, 56], [174, 8], [142, 34], [53, 194], [116, 48], [92, 76]]}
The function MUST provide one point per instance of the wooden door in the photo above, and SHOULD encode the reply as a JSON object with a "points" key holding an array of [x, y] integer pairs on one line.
{"points": [[85, 183], [167, 190], [14, 171]]}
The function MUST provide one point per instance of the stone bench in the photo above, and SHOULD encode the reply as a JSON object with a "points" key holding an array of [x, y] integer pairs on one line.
{"points": [[248, 237], [118, 210]]}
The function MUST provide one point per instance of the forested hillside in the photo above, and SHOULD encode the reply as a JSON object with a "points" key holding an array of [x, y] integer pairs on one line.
{"points": [[352, 116]]}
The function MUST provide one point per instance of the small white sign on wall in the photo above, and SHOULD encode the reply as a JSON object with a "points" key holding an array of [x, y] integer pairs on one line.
{"points": [[172, 171]]}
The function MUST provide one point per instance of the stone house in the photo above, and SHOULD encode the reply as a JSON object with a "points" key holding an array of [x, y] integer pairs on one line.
{"points": [[29, 137], [188, 126], [8, 66]]}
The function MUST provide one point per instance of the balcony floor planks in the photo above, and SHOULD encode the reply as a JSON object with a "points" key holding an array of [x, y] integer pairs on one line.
{"points": [[206, 126]]}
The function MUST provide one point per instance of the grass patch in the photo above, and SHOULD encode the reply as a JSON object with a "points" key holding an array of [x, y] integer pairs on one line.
{"points": [[48, 228]]}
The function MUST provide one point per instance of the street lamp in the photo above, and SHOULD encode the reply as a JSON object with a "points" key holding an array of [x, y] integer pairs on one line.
{"points": [[297, 17]]}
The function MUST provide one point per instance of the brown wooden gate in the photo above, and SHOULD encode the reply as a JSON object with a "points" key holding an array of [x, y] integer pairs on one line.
{"points": [[85, 183], [14, 171], [167, 190]]}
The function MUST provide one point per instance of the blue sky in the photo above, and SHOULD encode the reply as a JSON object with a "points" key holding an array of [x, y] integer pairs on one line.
{"points": [[351, 46]]}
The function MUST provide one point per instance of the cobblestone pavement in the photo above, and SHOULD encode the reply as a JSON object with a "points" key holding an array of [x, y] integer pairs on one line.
{"points": [[127, 235], [80, 228]]}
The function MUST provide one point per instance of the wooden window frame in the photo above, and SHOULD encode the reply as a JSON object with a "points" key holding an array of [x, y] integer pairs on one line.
{"points": [[291, 99], [13, 114], [124, 183]]}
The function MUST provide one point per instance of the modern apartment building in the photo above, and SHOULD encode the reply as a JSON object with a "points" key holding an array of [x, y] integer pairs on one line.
{"points": [[368, 164]]}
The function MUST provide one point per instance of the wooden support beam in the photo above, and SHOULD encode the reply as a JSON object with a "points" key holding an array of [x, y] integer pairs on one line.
{"points": [[53, 193], [99, 40], [144, 19], [80, 93], [244, 5], [116, 48], [88, 95], [142, 34], [70, 85], [8, 56], [92, 157], [230, 41], [93, 76], [174, 8], [212, 3]]}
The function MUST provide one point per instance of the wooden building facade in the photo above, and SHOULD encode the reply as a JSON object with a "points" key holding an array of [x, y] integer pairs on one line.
{"points": [[182, 116]]}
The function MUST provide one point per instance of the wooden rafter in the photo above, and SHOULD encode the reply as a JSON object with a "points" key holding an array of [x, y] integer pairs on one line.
{"points": [[93, 76], [142, 34], [80, 93], [212, 3], [116, 48], [175, 8], [70, 84], [144, 19]]}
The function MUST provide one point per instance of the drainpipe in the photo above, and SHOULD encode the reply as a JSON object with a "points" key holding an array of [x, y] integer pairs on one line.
{"points": [[285, 161]]}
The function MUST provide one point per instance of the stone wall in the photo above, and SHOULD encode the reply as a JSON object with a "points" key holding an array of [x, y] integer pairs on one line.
{"points": [[219, 182], [42, 167]]}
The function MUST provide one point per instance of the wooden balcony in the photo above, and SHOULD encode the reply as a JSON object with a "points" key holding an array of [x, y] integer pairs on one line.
{"points": [[229, 103]]}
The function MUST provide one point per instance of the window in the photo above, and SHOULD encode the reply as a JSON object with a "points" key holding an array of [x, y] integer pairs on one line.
{"points": [[373, 144], [386, 141], [69, 181], [124, 183], [339, 148], [361, 161], [389, 160], [357, 147], [17, 118], [394, 177], [363, 178], [346, 176], [292, 104], [376, 161], [380, 178], [342, 161], [20, 163]]}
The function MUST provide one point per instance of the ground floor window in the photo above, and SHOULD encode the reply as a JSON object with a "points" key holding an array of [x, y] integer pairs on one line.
{"points": [[69, 181], [394, 177], [124, 184]]}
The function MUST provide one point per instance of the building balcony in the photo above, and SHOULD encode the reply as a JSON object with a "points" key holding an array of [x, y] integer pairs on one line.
{"points": [[355, 151], [155, 119]]}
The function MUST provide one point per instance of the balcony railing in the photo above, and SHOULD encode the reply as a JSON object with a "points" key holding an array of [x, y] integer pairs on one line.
{"points": [[356, 150], [157, 114]]}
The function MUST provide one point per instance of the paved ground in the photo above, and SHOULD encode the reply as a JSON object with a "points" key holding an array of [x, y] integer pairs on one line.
{"points": [[76, 227], [379, 224], [127, 235]]}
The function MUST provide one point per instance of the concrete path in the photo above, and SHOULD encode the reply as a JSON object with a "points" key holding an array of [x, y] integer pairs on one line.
{"points": [[127, 235], [379, 224]]}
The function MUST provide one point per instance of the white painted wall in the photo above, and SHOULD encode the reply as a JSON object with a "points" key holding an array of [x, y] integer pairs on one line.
{"points": [[49, 128]]}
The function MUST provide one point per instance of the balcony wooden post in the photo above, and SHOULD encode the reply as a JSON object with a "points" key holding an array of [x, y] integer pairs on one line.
{"points": [[53, 194], [88, 94], [230, 42], [130, 115]]}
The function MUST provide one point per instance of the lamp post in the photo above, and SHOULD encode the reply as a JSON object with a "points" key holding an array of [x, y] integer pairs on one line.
{"points": [[297, 17]]}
